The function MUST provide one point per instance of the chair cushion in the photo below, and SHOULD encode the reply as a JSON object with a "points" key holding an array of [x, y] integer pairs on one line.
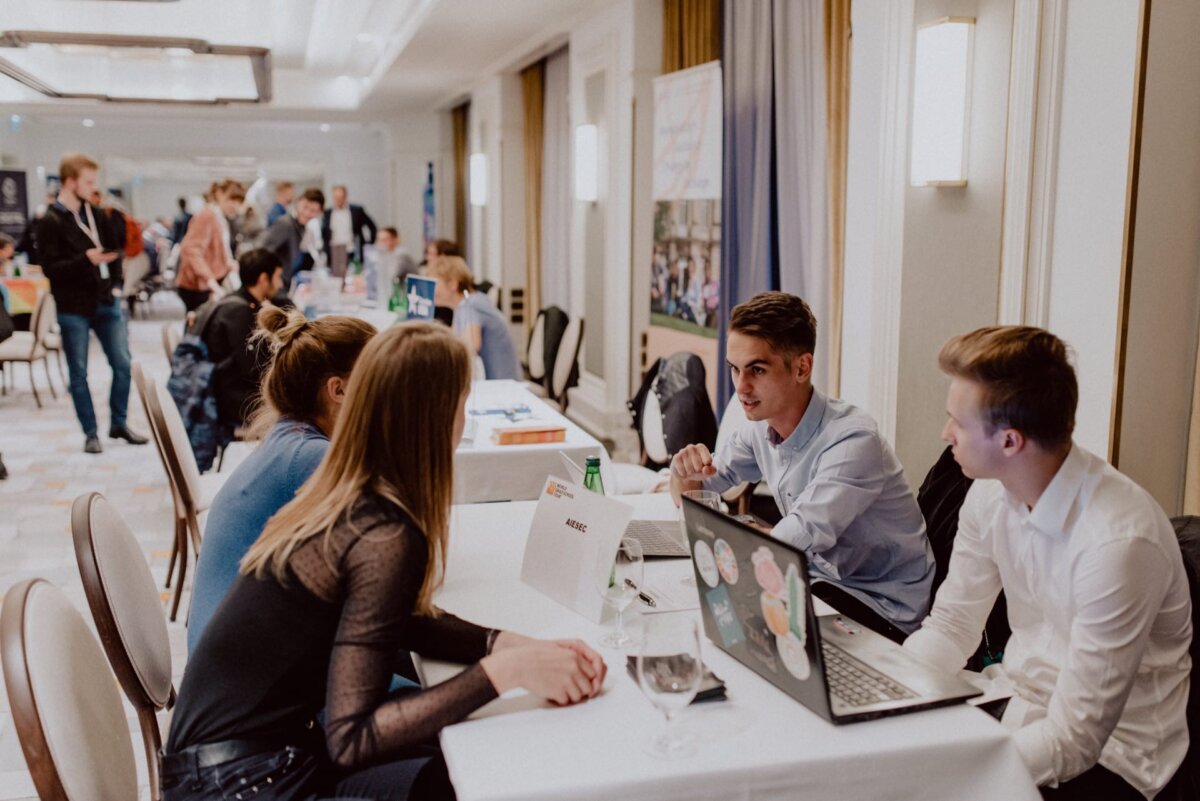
{"points": [[77, 701], [132, 595], [633, 479], [20, 347]]}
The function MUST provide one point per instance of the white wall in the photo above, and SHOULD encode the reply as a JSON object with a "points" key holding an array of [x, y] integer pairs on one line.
{"points": [[414, 143], [952, 239], [1089, 204], [1164, 311], [353, 154], [620, 48]]}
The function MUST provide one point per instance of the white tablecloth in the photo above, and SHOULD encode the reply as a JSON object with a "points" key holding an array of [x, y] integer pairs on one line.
{"points": [[484, 471], [760, 744]]}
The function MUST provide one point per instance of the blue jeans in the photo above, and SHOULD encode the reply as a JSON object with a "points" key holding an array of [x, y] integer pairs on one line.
{"points": [[109, 324]]}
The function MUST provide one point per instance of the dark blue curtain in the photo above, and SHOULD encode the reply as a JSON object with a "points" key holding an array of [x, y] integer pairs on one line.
{"points": [[749, 230]]}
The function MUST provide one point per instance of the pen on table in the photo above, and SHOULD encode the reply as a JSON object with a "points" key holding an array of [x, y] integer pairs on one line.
{"points": [[643, 597]]}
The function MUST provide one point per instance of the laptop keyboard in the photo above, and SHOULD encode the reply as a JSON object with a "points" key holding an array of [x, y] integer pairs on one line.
{"points": [[656, 538], [857, 685]]}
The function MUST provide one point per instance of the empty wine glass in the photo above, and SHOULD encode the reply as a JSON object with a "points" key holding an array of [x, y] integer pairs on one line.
{"points": [[669, 671], [620, 587], [706, 497]]}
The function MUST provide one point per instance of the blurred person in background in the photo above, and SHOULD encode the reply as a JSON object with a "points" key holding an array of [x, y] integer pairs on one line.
{"points": [[285, 194], [206, 254], [476, 320]]}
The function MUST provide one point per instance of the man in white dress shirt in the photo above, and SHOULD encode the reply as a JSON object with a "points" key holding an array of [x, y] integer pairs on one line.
{"points": [[1097, 596]]}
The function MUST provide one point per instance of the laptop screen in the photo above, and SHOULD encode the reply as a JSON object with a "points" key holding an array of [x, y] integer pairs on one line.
{"points": [[755, 602]]}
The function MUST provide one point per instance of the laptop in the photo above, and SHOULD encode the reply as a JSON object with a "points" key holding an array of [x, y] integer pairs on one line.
{"points": [[757, 607], [658, 538]]}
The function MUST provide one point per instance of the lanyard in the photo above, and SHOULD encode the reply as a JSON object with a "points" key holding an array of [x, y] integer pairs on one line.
{"points": [[90, 228]]}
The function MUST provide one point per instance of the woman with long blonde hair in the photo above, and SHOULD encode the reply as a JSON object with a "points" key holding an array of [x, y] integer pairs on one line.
{"points": [[340, 581]]}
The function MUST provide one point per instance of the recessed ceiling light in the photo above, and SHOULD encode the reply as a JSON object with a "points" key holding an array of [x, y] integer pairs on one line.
{"points": [[325, 127], [89, 123], [15, 119]]}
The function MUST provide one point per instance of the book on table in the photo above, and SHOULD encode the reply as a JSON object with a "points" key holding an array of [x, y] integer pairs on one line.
{"points": [[528, 435]]}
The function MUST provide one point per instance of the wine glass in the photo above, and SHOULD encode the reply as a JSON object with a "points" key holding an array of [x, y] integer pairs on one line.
{"points": [[620, 587], [669, 671], [707, 498]]}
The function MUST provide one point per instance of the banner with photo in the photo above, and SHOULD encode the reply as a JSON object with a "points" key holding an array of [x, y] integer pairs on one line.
{"points": [[14, 203], [685, 268]]}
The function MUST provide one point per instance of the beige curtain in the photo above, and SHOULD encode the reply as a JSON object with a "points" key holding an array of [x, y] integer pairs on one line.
{"points": [[533, 93], [837, 127], [691, 33], [458, 122], [1191, 484]]}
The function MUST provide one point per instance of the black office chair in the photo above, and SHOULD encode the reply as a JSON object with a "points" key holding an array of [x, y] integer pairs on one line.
{"points": [[941, 497], [1185, 786]]}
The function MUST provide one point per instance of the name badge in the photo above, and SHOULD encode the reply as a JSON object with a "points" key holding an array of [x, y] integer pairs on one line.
{"points": [[104, 271]]}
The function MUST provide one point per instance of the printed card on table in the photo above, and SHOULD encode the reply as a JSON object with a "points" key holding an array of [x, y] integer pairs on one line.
{"points": [[572, 545]]}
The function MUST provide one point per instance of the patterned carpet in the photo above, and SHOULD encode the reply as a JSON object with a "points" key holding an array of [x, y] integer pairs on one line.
{"points": [[43, 449]]}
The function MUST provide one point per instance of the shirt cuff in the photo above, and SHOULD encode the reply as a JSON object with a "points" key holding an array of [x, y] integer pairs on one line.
{"points": [[717, 483], [1036, 753], [935, 648], [791, 531]]}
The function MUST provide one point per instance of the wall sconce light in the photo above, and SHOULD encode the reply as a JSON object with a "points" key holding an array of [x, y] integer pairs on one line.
{"points": [[587, 163], [942, 101], [479, 179]]}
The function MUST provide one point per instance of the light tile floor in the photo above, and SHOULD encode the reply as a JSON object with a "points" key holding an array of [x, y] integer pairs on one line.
{"points": [[43, 449]]}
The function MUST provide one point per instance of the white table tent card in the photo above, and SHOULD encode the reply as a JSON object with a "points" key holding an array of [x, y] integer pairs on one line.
{"points": [[572, 545]]}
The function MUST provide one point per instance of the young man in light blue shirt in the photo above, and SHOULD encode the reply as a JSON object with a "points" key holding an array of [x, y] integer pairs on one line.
{"points": [[842, 492]]}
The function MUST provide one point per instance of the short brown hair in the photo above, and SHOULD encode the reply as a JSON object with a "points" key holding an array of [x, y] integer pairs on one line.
{"points": [[447, 247], [453, 269], [315, 195], [784, 321], [229, 187], [1026, 376], [304, 354], [74, 163]]}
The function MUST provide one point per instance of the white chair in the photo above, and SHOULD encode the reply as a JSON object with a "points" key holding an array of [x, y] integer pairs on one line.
{"points": [[192, 493], [565, 362], [535, 356], [128, 615], [64, 702], [633, 479], [29, 346]]}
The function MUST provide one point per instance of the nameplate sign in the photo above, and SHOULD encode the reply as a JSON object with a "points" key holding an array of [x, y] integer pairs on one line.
{"points": [[572, 545]]}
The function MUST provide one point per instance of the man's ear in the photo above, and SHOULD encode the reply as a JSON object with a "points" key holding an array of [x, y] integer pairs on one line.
{"points": [[1012, 441], [802, 367]]}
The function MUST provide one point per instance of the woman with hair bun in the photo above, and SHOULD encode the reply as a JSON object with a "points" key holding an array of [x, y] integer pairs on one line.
{"points": [[302, 393]]}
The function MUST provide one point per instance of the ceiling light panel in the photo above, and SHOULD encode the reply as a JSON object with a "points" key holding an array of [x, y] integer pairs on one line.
{"points": [[132, 68]]}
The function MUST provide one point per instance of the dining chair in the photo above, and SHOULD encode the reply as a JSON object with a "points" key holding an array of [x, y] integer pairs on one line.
{"points": [[29, 346], [128, 615], [65, 707], [191, 492]]}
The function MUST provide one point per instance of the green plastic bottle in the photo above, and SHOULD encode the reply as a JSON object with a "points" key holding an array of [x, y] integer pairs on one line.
{"points": [[591, 476], [593, 482]]}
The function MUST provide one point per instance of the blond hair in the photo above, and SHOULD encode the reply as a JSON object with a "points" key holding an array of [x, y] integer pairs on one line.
{"points": [[1026, 379], [452, 269], [394, 437], [74, 163]]}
